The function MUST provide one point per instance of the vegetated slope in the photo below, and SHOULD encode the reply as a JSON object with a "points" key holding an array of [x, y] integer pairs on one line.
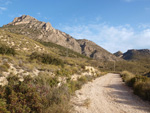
{"points": [[135, 61], [108, 94], [38, 76], [25, 47], [21, 43], [37, 30]]}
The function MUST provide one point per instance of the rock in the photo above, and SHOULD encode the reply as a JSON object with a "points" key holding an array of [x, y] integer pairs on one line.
{"points": [[47, 26], [3, 81], [24, 19]]}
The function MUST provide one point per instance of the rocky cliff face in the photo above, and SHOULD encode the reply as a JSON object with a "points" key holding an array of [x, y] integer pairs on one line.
{"points": [[92, 50], [37, 30]]}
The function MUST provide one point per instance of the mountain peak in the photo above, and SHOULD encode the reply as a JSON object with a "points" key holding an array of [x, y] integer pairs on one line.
{"points": [[24, 19], [32, 22]]}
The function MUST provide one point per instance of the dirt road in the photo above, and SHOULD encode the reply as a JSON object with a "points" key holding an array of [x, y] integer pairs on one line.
{"points": [[108, 94]]}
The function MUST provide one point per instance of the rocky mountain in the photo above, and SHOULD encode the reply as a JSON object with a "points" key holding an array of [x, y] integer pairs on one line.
{"points": [[134, 54], [92, 50], [37, 30], [31, 27]]}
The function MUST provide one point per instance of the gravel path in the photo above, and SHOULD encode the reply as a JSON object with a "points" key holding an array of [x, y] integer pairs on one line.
{"points": [[108, 94]]}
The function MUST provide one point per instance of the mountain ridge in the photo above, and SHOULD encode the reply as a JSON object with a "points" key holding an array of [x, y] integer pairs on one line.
{"points": [[134, 54], [37, 30]]}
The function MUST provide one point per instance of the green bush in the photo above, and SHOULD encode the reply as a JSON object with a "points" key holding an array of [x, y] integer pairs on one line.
{"points": [[127, 77], [38, 95], [46, 59], [140, 84], [21, 97], [7, 50], [64, 72], [76, 85], [46, 80], [3, 106], [142, 89]]}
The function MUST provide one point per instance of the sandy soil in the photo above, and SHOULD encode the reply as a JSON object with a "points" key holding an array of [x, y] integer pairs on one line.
{"points": [[108, 94]]}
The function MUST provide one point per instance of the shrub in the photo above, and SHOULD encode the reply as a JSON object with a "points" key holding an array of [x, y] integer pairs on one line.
{"points": [[140, 84], [46, 80], [64, 72], [46, 59], [3, 106], [7, 50], [57, 101], [127, 77], [21, 97], [142, 89], [34, 95], [3, 68], [76, 85]]}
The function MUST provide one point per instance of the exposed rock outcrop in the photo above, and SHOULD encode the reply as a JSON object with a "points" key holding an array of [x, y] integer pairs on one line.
{"points": [[92, 50]]}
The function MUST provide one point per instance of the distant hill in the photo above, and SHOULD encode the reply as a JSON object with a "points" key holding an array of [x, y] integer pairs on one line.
{"points": [[118, 54], [37, 30], [136, 54]]}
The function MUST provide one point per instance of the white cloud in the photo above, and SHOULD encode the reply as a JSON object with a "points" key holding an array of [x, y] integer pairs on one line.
{"points": [[3, 5], [112, 38], [38, 13], [3, 8]]}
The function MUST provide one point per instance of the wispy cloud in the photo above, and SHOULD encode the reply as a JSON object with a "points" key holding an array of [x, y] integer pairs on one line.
{"points": [[39, 13], [5, 2], [128, 0], [112, 38], [3, 8], [3, 5]]}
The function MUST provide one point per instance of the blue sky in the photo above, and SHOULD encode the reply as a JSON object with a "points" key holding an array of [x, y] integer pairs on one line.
{"points": [[112, 24]]}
